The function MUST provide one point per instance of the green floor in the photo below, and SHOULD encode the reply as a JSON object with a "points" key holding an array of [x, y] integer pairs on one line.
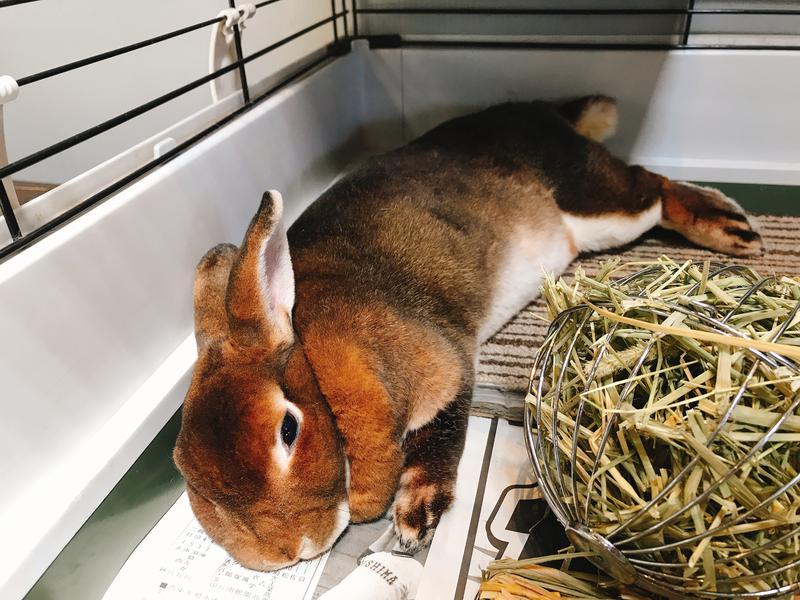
{"points": [[91, 560], [87, 565], [763, 199]]}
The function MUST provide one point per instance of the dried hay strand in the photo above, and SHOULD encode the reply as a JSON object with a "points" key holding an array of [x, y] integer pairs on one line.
{"points": [[664, 426], [531, 580]]}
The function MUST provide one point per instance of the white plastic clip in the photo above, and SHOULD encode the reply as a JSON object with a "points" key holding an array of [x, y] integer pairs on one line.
{"points": [[232, 16], [247, 10], [9, 90], [222, 51], [235, 16]]}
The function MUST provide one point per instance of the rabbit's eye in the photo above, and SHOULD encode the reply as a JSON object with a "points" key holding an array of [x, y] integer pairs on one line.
{"points": [[289, 429]]}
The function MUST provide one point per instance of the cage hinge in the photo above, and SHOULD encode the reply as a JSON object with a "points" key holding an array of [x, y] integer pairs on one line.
{"points": [[222, 51], [235, 17]]}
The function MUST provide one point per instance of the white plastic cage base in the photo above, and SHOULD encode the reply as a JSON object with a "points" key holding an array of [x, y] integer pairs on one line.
{"points": [[96, 319]]}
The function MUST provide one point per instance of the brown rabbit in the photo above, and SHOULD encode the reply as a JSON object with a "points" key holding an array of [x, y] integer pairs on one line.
{"points": [[330, 383]]}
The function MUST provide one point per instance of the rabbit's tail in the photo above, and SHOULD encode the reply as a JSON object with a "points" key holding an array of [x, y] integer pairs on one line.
{"points": [[594, 117]]}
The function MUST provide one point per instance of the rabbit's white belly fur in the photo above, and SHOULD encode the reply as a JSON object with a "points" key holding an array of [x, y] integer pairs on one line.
{"points": [[610, 230], [531, 252]]}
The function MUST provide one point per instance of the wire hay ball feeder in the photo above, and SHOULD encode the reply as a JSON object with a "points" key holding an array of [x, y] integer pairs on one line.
{"points": [[663, 427]]}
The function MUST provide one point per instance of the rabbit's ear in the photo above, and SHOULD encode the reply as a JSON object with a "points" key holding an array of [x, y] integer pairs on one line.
{"points": [[260, 293], [210, 283]]}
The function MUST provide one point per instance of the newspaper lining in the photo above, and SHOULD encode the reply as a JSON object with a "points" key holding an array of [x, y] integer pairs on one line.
{"points": [[177, 561]]}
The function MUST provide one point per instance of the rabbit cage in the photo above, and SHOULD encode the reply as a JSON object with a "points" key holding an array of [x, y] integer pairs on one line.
{"points": [[95, 278]]}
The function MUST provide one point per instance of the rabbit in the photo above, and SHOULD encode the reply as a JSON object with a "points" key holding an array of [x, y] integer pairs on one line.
{"points": [[336, 361]]}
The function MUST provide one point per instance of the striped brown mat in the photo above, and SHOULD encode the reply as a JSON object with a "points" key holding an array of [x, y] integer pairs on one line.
{"points": [[506, 359]]}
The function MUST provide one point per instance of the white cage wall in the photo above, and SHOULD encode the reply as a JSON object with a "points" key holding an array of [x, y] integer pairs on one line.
{"points": [[96, 320]]}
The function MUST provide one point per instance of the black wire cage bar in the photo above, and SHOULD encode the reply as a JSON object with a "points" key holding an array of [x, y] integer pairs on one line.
{"points": [[23, 81], [20, 239], [685, 15], [341, 11], [575, 11]]}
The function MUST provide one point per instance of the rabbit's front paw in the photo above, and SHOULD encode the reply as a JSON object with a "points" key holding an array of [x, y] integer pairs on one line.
{"points": [[418, 506]]}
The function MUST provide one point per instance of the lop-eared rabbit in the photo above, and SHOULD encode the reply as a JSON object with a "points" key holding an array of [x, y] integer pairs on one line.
{"points": [[336, 364]]}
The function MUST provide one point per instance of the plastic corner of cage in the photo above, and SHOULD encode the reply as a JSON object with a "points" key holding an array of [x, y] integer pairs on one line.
{"points": [[9, 89]]}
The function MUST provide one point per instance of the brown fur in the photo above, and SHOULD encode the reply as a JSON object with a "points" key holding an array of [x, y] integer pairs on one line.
{"points": [[224, 451], [396, 269]]}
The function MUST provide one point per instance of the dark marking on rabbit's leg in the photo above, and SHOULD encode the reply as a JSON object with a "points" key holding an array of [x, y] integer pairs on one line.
{"points": [[707, 217], [617, 203], [429, 473], [702, 215]]}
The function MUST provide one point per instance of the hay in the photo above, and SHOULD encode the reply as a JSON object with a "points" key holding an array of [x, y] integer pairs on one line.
{"points": [[531, 580], [676, 429]]}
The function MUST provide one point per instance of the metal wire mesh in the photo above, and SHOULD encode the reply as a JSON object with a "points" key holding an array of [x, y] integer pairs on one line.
{"points": [[21, 238], [643, 25], [640, 549], [618, 24]]}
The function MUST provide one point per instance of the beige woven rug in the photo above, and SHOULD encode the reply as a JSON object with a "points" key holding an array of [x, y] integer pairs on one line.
{"points": [[506, 359]]}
